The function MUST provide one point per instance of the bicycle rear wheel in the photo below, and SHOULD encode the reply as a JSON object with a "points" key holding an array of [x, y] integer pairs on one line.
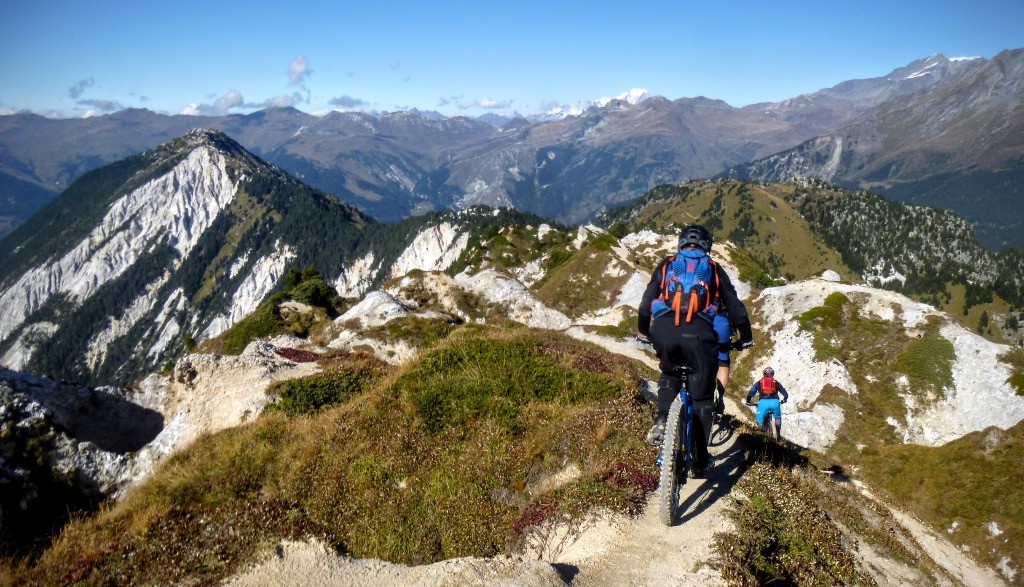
{"points": [[671, 454]]}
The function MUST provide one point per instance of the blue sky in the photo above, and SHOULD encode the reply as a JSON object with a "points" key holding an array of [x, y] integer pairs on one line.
{"points": [[77, 57]]}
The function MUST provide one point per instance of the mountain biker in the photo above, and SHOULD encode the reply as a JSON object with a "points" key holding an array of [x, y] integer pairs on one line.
{"points": [[769, 389], [690, 342]]}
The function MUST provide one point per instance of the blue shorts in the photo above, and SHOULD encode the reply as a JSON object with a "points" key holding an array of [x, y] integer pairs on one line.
{"points": [[724, 332], [764, 405]]}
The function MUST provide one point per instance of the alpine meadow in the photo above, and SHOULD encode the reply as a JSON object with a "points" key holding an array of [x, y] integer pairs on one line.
{"points": [[249, 344]]}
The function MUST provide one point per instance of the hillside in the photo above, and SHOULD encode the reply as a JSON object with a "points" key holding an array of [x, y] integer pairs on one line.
{"points": [[952, 146], [791, 231], [520, 403], [135, 260]]}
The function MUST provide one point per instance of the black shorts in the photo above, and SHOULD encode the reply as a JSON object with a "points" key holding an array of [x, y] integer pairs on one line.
{"points": [[691, 343]]}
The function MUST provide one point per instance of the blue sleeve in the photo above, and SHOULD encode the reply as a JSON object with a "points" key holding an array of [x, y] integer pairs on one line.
{"points": [[753, 390], [782, 390]]}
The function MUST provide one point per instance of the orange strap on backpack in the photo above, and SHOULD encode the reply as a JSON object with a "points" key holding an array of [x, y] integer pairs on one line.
{"points": [[677, 299]]}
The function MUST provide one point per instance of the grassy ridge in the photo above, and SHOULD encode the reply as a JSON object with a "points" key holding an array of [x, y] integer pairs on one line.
{"points": [[399, 472], [774, 238]]}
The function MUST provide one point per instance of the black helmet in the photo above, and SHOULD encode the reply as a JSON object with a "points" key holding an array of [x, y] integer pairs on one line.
{"points": [[696, 235], [769, 372]]}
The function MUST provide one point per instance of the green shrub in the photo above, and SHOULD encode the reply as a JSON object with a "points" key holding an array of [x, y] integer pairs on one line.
{"points": [[264, 321], [314, 292], [928, 361], [1015, 359], [308, 395], [557, 258], [481, 379]]}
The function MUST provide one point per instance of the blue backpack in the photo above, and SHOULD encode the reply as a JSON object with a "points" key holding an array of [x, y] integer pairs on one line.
{"points": [[685, 280]]}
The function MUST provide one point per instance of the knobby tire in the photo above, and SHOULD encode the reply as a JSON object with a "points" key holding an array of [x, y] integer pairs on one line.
{"points": [[670, 453], [769, 426]]}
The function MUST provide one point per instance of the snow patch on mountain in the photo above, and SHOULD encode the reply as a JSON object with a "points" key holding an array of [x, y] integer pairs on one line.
{"points": [[175, 208], [434, 249], [254, 288], [559, 112]]}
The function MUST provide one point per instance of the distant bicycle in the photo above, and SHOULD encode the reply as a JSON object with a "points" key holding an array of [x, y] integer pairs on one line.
{"points": [[768, 426]]}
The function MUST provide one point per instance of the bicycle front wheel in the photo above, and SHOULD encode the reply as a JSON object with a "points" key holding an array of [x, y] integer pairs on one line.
{"points": [[769, 426], [670, 462]]}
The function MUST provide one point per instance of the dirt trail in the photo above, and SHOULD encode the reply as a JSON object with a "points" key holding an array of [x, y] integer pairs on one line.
{"points": [[643, 551], [941, 550]]}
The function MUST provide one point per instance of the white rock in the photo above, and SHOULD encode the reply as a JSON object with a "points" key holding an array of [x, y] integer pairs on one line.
{"points": [[830, 275], [434, 249], [254, 288], [177, 207]]}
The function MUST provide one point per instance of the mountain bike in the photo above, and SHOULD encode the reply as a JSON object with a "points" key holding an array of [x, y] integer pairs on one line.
{"points": [[676, 453], [676, 447], [767, 427]]}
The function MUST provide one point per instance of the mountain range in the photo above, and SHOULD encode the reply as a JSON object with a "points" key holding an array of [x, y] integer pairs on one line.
{"points": [[959, 145], [581, 162]]}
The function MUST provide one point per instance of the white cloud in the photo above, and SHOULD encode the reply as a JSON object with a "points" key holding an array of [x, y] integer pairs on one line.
{"points": [[278, 102], [299, 70], [348, 102], [486, 104], [226, 102], [102, 105], [76, 90]]}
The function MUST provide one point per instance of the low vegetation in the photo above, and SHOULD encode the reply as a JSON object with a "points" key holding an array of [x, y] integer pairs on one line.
{"points": [[587, 281], [783, 536], [972, 487], [884, 364], [1015, 359], [454, 456], [344, 376]]}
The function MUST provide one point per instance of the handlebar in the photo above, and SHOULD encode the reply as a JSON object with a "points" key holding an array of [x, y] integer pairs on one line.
{"points": [[738, 345]]}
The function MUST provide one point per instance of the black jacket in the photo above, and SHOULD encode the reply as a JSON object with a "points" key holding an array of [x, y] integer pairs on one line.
{"points": [[734, 307]]}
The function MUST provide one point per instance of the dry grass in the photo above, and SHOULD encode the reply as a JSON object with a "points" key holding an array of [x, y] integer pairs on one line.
{"points": [[382, 475]]}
